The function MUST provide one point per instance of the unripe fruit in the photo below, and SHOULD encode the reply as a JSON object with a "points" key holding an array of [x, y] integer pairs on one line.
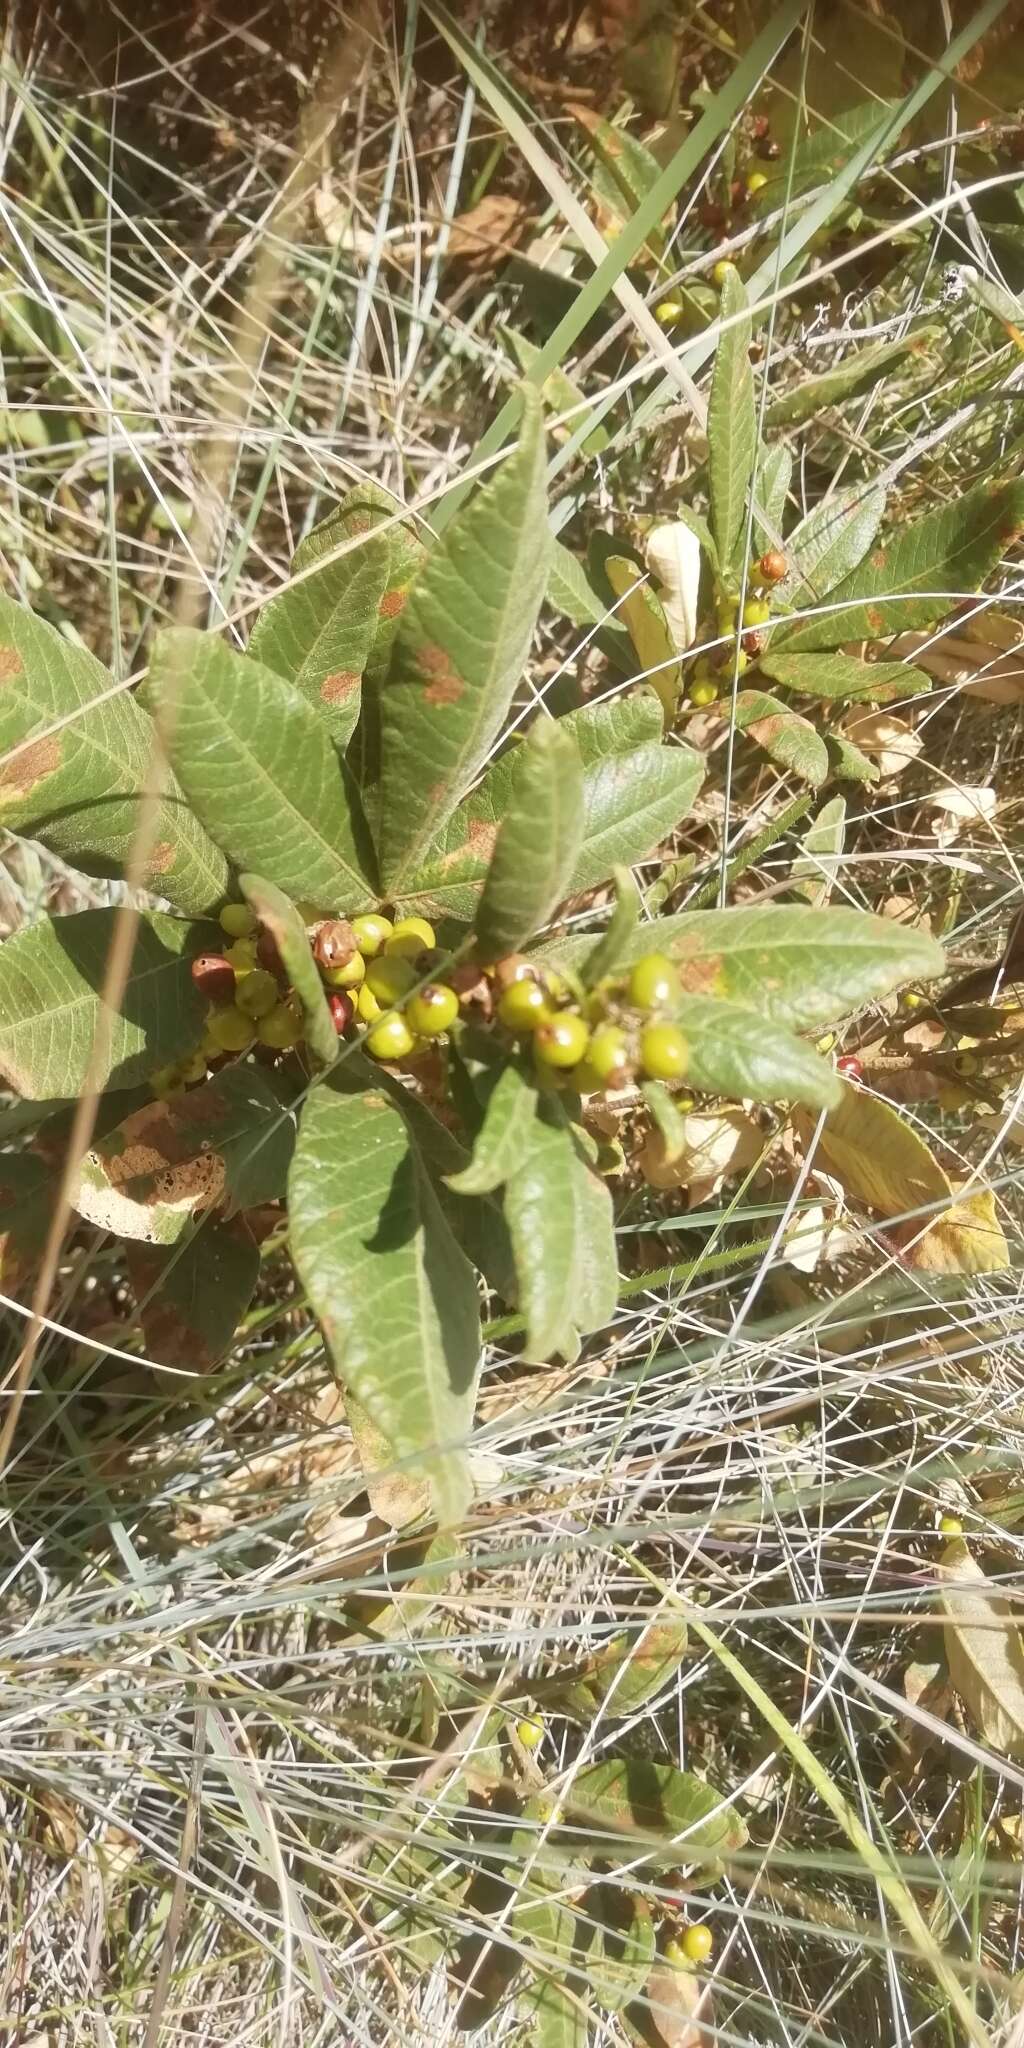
{"points": [[194, 1068], [773, 566], [849, 1066], [280, 1029], [257, 993], [342, 1010], [911, 999], [756, 612], [242, 955], [514, 967], [702, 693], [524, 1007], [349, 975], [755, 182], [676, 1954], [371, 932], [669, 312], [563, 1042], [825, 1044], [231, 1030], [950, 1525], [664, 1053], [741, 661], [530, 1731], [549, 1812], [433, 1010], [215, 976], [697, 1944], [411, 937], [237, 920], [726, 614], [368, 1008], [653, 981], [608, 1055], [720, 272], [391, 1039], [390, 977], [334, 945]]}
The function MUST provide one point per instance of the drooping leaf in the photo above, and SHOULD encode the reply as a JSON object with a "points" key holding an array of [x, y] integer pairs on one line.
{"points": [[560, 1219], [698, 526], [817, 865], [478, 1226], [841, 675], [257, 763], [879, 1159], [797, 966], [810, 396], [920, 574], [788, 740], [51, 974], [772, 478], [504, 1137], [73, 767], [459, 651], [629, 1803], [283, 922], [538, 842], [319, 632], [558, 2018], [675, 2011], [192, 1298], [732, 426], [228, 1142], [396, 1297], [730, 1053], [625, 171], [635, 791], [828, 545], [983, 1650], [644, 616]]}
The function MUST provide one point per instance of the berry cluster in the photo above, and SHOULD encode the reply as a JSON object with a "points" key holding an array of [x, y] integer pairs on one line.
{"points": [[602, 1042], [709, 671]]}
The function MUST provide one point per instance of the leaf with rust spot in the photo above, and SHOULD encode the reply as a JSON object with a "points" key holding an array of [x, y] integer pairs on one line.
{"points": [[193, 1297], [788, 740]]}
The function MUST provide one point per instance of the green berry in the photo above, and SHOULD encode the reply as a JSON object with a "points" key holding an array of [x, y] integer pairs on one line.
{"points": [[911, 999], [721, 272], [390, 978], [669, 312], [433, 1010], [411, 937], [549, 1811], [368, 1008], [242, 955], [608, 1056], [231, 1030], [281, 1029], [741, 661], [697, 1944], [237, 920], [371, 933], [702, 693], [391, 1039], [950, 1525], [563, 1042], [676, 1954], [756, 612], [524, 1007], [653, 982], [727, 614], [348, 975], [664, 1054], [257, 993], [755, 181], [194, 1068], [530, 1731]]}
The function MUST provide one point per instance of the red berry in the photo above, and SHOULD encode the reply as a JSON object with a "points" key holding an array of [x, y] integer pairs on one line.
{"points": [[268, 955], [215, 977], [850, 1067], [342, 1011]]}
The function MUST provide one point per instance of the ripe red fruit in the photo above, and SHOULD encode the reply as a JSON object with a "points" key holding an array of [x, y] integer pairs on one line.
{"points": [[342, 1010], [850, 1067], [215, 977], [268, 955]]}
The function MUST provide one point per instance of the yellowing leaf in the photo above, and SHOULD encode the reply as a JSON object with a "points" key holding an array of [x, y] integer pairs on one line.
{"points": [[673, 557], [648, 628], [966, 1238], [877, 1157], [983, 1650]]}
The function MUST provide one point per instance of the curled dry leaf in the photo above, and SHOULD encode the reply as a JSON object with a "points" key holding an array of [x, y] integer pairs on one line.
{"points": [[673, 557], [677, 2009], [966, 1238], [960, 808], [983, 1650], [890, 741], [713, 1148]]}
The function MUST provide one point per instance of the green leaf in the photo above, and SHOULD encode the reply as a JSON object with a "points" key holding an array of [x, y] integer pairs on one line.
{"points": [[841, 675], [811, 396], [622, 1676], [479, 1226], [361, 511], [77, 788], [797, 966], [226, 1143], [921, 573], [560, 395], [192, 1299], [538, 842], [570, 592], [460, 651], [319, 632], [27, 1195], [559, 1216], [771, 489], [557, 2018], [847, 763], [983, 1650], [818, 160], [632, 1804], [616, 1946], [788, 740], [604, 957], [732, 426], [667, 1119], [833, 539], [879, 1159], [644, 615], [626, 171], [635, 791], [50, 978], [288, 932], [817, 865], [396, 1297], [504, 1138], [731, 1053], [257, 763]]}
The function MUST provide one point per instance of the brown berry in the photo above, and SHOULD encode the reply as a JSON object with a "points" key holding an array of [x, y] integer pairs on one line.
{"points": [[773, 566], [215, 977], [335, 943]]}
